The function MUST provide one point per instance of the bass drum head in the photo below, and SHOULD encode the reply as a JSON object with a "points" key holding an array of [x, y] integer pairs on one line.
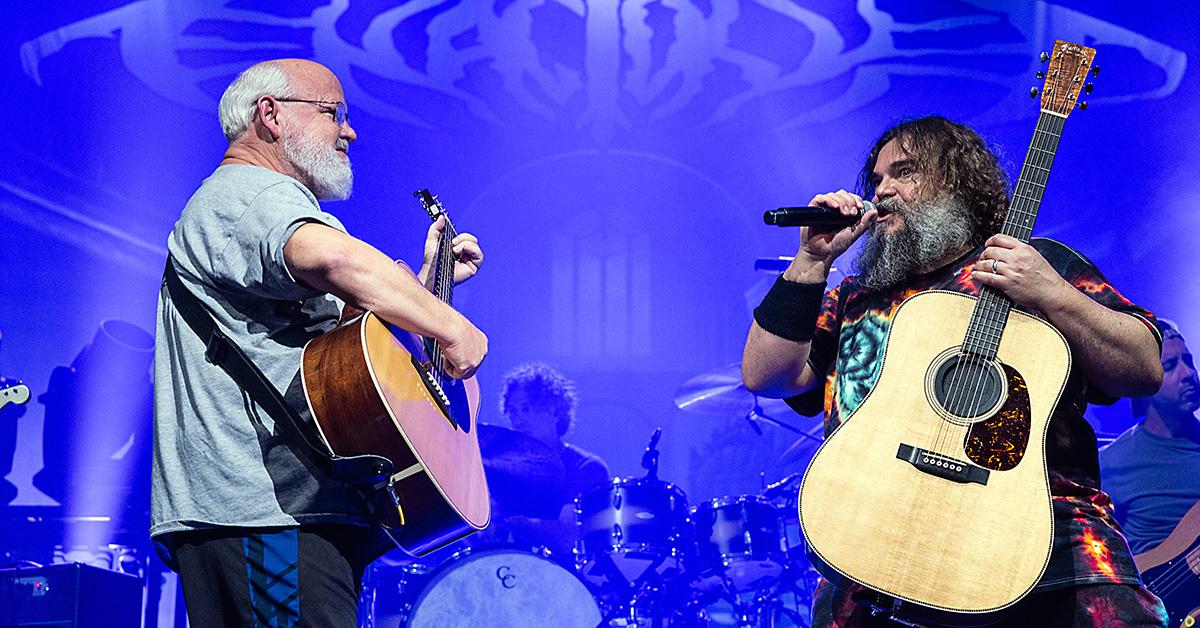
{"points": [[504, 587]]}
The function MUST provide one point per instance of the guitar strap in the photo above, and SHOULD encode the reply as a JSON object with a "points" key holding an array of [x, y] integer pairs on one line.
{"points": [[359, 470]]}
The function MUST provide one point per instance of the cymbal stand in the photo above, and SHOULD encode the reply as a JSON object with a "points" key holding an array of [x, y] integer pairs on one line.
{"points": [[757, 415]]}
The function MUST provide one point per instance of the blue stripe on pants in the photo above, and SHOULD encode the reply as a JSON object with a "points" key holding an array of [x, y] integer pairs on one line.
{"points": [[273, 573]]}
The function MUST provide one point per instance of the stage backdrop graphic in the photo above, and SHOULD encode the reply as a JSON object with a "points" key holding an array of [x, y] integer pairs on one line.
{"points": [[613, 156]]}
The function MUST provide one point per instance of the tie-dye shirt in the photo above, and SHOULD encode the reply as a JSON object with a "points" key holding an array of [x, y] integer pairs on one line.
{"points": [[848, 349]]}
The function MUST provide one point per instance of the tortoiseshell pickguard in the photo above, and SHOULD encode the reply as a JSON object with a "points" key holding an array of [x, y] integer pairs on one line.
{"points": [[999, 443]]}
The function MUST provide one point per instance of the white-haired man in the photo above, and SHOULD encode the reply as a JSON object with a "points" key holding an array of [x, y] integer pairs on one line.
{"points": [[238, 508]]}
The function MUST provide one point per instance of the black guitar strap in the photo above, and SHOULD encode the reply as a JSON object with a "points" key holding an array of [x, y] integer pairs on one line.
{"points": [[359, 470]]}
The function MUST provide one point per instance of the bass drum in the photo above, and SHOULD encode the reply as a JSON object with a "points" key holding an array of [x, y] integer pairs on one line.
{"points": [[502, 587]]}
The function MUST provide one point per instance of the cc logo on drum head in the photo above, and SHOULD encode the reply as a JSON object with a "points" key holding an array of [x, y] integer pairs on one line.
{"points": [[507, 578]]}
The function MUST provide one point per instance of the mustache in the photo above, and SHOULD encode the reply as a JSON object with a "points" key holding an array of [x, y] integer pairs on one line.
{"points": [[342, 144], [892, 204]]}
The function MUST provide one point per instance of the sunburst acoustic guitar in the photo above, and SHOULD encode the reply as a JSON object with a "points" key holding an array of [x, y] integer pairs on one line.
{"points": [[934, 491], [374, 388]]}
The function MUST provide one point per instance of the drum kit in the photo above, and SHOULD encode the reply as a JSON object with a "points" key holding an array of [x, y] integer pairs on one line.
{"points": [[642, 556]]}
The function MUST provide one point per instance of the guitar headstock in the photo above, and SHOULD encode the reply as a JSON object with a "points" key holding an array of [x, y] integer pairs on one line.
{"points": [[430, 202], [1065, 78], [18, 394]]}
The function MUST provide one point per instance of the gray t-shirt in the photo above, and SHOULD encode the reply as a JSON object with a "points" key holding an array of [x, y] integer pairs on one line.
{"points": [[1153, 481], [219, 459]]}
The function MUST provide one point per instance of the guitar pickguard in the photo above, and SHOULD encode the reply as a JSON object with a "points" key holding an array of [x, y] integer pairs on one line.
{"points": [[999, 442]]}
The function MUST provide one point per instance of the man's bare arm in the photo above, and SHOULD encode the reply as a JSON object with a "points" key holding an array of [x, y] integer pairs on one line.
{"points": [[327, 259]]}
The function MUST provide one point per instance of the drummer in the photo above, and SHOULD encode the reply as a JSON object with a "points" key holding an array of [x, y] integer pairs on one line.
{"points": [[539, 402]]}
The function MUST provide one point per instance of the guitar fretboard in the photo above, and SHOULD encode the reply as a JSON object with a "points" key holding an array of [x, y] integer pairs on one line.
{"points": [[991, 311]]}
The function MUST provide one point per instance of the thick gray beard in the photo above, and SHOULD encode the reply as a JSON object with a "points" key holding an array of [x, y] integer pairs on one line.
{"points": [[326, 174], [931, 231]]}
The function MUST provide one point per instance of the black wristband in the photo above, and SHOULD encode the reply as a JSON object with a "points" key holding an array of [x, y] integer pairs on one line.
{"points": [[790, 309]]}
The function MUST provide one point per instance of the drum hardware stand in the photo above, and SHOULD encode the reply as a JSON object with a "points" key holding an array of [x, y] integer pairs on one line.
{"points": [[366, 600], [756, 415], [765, 606], [638, 590], [771, 602], [650, 457]]}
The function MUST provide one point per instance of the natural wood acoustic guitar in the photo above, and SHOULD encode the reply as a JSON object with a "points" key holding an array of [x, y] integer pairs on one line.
{"points": [[374, 388], [934, 491]]}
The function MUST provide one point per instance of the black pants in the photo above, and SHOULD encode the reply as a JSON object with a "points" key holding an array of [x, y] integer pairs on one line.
{"points": [[272, 577]]}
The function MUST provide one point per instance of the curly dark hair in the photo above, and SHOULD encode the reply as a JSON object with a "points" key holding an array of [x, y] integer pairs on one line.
{"points": [[956, 160], [544, 386]]}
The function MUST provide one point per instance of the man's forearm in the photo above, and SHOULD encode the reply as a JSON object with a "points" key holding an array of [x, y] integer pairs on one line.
{"points": [[775, 367], [362, 276]]}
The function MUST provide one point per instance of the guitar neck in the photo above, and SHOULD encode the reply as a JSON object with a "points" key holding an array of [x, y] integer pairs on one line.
{"points": [[991, 311], [443, 272], [443, 282]]}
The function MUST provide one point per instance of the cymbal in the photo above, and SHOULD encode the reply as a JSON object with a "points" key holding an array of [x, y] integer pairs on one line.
{"points": [[509, 451], [722, 393], [525, 476]]}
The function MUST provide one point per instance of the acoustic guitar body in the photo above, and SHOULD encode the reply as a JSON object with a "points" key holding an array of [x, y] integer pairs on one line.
{"points": [[934, 490]]}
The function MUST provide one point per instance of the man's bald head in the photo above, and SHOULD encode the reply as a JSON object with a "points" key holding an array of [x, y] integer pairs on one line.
{"points": [[281, 78], [290, 116]]}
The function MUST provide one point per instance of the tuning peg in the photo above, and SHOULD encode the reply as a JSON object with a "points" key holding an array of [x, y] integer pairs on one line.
{"points": [[1087, 88], [1033, 92], [1044, 57], [1040, 74], [1096, 70], [1083, 105]]}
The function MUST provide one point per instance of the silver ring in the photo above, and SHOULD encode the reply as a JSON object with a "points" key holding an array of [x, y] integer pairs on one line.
{"points": [[994, 271]]}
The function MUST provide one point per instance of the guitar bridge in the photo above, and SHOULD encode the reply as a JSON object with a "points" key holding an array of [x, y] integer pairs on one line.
{"points": [[943, 466], [433, 385]]}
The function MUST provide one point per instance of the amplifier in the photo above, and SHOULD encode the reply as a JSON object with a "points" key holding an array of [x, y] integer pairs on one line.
{"points": [[73, 595]]}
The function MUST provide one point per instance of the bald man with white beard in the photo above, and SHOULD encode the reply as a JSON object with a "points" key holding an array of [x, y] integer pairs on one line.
{"points": [[243, 516]]}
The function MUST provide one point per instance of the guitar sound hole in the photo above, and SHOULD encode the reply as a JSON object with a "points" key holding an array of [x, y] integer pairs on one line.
{"points": [[968, 386]]}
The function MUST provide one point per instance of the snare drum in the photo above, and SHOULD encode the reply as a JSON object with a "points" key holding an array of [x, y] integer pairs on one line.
{"points": [[501, 587], [740, 539], [631, 524]]}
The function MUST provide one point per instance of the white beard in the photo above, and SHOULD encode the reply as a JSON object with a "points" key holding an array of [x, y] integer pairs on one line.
{"points": [[325, 173], [931, 231]]}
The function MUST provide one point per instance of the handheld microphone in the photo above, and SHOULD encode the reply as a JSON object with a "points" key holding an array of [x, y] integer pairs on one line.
{"points": [[813, 216]]}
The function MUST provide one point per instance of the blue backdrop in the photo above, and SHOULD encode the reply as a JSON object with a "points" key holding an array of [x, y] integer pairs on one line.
{"points": [[613, 156]]}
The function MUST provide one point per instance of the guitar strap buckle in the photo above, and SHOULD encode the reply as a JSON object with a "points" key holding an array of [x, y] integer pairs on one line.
{"points": [[216, 350]]}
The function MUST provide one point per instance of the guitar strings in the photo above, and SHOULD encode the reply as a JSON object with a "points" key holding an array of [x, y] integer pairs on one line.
{"points": [[965, 378], [992, 309], [1176, 575], [444, 287], [993, 306]]}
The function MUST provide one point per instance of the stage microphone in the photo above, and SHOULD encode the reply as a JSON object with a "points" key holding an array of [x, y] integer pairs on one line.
{"points": [[813, 216]]}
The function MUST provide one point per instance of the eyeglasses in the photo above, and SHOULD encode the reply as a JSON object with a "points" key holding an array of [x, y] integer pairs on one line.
{"points": [[341, 114]]}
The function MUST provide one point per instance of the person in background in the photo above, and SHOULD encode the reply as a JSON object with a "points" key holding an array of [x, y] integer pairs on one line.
{"points": [[1152, 470]]}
